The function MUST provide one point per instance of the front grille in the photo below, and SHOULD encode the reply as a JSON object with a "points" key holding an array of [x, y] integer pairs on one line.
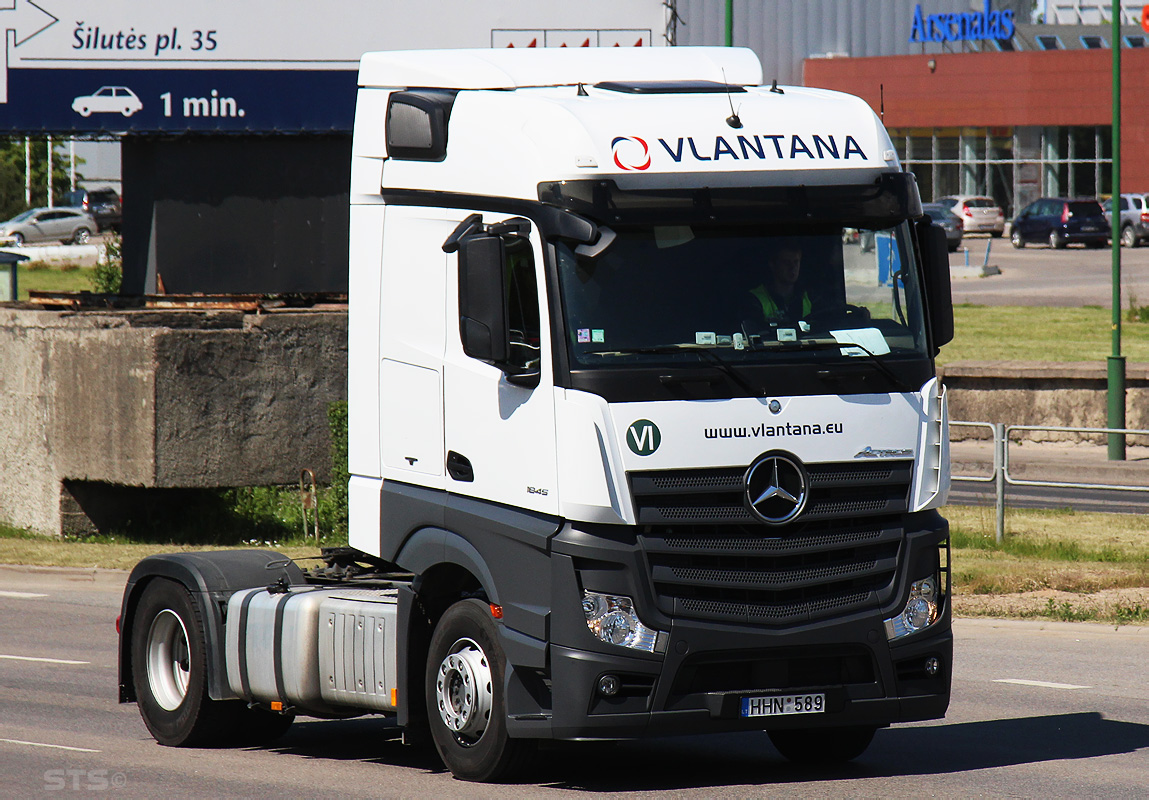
{"points": [[718, 495], [709, 558]]}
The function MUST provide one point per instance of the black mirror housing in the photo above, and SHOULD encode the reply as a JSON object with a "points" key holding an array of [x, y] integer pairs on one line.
{"points": [[483, 324], [936, 272]]}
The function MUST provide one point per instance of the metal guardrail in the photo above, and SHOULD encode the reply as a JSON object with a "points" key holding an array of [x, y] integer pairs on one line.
{"points": [[1000, 476]]}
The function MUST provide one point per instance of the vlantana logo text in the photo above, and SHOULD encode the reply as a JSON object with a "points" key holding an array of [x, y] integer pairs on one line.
{"points": [[633, 153]]}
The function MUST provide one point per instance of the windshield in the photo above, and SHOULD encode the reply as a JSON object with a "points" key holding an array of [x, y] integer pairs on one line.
{"points": [[742, 296]]}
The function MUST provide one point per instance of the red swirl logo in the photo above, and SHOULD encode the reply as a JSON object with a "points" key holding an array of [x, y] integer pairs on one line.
{"points": [[627, 153]]}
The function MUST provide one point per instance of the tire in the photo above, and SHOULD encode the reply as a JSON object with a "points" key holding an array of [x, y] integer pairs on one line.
{"points": [[822, 745], [1129, 237], [1016, 240], [997, 234], [1056, 241], [466, 709], [81, 236], [169, 671]]}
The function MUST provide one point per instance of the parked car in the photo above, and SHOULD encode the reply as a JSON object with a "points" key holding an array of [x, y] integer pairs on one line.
{"points": [[1060, 221], [979, 214], [1134, 218], [68, 225], [950, 222], [103, 204]]}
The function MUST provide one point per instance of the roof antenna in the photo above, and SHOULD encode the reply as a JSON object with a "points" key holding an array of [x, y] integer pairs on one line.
{"points": [[582, 92], [733, 121], [774, 87], [882, 102]]}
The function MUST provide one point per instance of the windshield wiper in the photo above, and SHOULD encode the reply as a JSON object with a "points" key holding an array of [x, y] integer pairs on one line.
{"points": [[664, 349], [872, 358]]}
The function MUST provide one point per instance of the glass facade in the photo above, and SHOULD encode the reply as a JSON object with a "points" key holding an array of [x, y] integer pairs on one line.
{"points": [[1013, 165]]}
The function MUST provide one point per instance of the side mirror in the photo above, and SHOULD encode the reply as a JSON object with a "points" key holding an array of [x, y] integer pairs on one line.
{"points": [[483, 324], [936, 274]]}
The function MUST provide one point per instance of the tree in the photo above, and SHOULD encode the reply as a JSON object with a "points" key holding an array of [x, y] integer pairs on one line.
{"points": [[12, 175]]}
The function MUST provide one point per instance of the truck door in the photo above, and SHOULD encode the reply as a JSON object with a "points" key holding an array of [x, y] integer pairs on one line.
{"points": [[499, 432]]}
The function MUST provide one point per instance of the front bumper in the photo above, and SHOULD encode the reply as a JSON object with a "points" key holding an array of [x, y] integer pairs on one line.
{"points": [[696, 683], [695, 691]]}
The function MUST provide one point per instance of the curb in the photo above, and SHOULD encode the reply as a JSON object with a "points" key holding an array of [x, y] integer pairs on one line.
{"points": [[1051, 626]]}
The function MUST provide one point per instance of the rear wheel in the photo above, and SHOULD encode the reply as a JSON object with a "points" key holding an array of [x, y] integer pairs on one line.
{"points": [[997, 234], [169, 672], [81, 236], [1056, 240], [1129, 237], [169, 668], [465, 704], [822, 745]]}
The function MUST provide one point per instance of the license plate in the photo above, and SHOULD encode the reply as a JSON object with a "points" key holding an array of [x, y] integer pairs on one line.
{"points": [[781, 705]]}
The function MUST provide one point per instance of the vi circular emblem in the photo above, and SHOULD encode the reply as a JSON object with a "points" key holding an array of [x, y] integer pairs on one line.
{"points": [[777, 488], [643, 437]]}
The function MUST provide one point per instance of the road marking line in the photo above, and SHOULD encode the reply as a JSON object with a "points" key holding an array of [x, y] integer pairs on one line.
{"points": [[21, 595], [45, 660], [54, 746], [1042, 684]]}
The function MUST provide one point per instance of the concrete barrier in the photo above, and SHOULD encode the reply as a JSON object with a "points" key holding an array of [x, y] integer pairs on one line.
{"points": [[1041, 393], [160, 400]]}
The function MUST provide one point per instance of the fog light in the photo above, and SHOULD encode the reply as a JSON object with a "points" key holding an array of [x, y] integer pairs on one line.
{"points": [[612, 619], [920, 612], [608, 685], [933, 666]]}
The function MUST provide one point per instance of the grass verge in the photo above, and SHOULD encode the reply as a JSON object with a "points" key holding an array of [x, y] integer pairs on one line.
{"points": [[53, 278], [1015, 333], [1059, 564]]}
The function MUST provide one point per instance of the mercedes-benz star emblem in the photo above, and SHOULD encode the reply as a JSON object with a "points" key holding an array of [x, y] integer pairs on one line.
{"points": [[776, 488]]}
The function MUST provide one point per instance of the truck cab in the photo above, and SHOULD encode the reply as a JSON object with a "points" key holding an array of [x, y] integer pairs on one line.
{"points": [[642, 399]]}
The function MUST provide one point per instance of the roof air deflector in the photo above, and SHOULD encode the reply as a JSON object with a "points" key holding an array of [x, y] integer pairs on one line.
{"points": [[668, 87]]}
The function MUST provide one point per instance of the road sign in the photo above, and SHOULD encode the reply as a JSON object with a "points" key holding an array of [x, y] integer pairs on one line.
{"points": [[260, 65]]}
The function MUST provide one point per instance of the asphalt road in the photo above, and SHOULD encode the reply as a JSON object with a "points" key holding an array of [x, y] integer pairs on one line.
{"points": [[1039, 710], [1040, 276]]}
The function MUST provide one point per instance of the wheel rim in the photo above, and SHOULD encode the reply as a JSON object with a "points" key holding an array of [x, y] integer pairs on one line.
{"points": [[81, 237], [1015, 238], [1127, 237], [168, 660], [463, 692]]}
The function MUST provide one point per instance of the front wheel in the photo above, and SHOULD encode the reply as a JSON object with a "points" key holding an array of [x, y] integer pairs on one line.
{"points": [[1016, 240], [465, 704], [17, 239], [822, 745]]}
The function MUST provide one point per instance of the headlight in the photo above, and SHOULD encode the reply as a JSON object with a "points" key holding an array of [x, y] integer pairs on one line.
{"points": [[920, 612], [611, 619]]}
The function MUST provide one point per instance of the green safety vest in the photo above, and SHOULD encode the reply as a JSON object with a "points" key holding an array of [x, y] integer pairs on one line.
{"points": [[771, 309]]}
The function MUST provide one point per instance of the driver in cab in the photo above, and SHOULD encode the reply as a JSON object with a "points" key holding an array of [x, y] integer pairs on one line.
{"points": [[780, 295]]}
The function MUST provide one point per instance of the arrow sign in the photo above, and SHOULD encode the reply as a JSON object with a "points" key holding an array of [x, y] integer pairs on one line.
{"points": [[26, 15]]}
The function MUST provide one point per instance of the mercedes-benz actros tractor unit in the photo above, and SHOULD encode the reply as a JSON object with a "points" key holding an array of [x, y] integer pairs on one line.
{"points": [[645, 432]]}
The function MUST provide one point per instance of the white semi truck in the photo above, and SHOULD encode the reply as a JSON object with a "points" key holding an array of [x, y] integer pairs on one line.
{"points": [[645, 433]]}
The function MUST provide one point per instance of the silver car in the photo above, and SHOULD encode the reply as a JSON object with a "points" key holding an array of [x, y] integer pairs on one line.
{"points": [[1134, 218], [67, 225]]}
